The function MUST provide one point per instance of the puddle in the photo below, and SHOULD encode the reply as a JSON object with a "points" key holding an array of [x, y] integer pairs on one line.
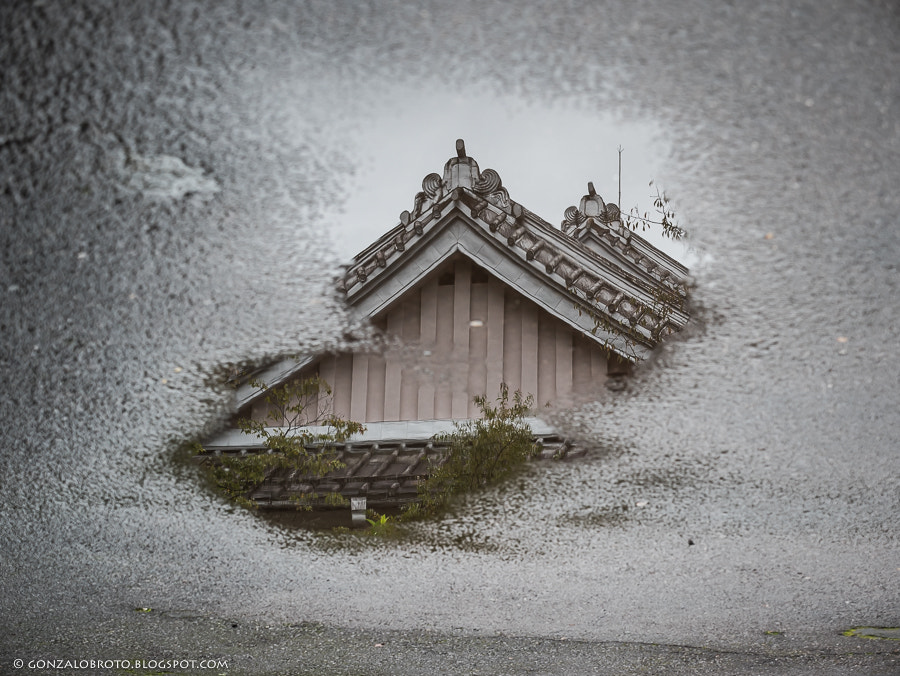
{"points": [[382, 146], [107, 292], [545, 156], [884, 633]]}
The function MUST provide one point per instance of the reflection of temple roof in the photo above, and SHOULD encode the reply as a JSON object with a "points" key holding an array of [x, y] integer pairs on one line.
{"points": [[600, 276], [384, 471], [548, 311]]}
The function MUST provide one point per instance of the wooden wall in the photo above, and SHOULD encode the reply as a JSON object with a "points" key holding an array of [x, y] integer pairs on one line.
{"points": [[461, 333]]}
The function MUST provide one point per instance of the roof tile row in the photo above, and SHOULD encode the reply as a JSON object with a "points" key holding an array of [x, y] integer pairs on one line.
{"points": [[386, 473]]}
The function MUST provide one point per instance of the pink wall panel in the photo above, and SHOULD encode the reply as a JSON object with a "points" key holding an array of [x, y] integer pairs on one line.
{"points": [[546, 360], [530, 349], [427, 343], [343, 381], [564, 365], [459, 340], [392, 368], [462, 303], [495, 330], [375, 391], [512, 341], [444, 352], [409, 387], [478, 339]]}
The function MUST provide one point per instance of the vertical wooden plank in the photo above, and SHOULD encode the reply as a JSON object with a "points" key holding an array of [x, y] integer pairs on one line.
{"points": [[495, 330], [326, 373], [598, 366], [462, 297], [375, 391], [343, 384], [392, 367], [462, 303], [477, 347], [564, 353], [546, 392], [443, 354], [512, 341], [360, 387], [409, 386], [581, 366], [428, 333], [259, 411], [310, 402], [530, 350]]}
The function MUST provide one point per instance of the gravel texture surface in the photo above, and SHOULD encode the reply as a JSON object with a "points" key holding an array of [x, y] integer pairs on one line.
{"points": [[165, 170]]}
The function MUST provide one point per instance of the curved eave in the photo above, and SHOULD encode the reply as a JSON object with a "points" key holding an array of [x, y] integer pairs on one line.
{"points": [[637, 257], [456, 233], [382, 432], [272, 376], [542, 243], [642, 286]]}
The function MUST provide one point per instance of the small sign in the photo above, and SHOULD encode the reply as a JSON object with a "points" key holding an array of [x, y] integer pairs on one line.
{"points": [[357, 512]]}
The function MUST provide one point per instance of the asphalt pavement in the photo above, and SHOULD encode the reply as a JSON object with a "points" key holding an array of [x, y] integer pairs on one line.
{"points": [[167, 174]]}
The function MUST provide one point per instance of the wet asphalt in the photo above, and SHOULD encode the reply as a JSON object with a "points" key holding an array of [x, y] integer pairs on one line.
{"points": [[165, 172]]}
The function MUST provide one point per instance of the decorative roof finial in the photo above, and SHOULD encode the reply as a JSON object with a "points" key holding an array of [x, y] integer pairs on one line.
{"points": [[460, 171], [592, 204]]}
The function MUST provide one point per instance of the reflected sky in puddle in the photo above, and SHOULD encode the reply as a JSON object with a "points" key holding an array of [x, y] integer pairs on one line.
{"points": [[545, 156]]}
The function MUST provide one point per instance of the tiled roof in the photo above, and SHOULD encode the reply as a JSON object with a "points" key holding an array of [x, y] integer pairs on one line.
{"points": [[599, 225], [384, 472], [634, 288]]}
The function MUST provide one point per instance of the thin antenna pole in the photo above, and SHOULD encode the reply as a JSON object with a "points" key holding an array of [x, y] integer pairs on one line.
{"points": [[620, 177]]}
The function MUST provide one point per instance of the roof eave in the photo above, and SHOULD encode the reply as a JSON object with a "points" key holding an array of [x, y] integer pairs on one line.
{"points": [[455, 234]]}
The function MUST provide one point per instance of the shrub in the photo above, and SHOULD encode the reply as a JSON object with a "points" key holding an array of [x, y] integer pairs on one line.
{"points": [[480, 452], [292, 409]]}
